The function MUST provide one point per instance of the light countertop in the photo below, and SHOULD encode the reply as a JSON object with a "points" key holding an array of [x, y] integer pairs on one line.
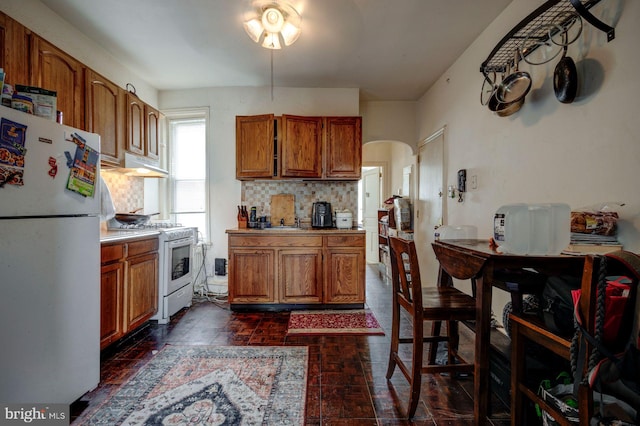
{"points": [[108, 236]]}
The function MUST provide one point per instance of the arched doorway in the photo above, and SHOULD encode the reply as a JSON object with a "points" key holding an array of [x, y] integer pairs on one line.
{"points": [[383, 168]]}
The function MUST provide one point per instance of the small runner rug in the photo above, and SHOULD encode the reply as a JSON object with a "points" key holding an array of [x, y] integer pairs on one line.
{"points": [[358, 321], [206, 385]]}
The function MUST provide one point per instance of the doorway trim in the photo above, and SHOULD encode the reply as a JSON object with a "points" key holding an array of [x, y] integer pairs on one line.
{"points": [[433, 136]]}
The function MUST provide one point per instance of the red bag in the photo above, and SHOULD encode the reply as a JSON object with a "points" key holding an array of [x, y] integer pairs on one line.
{"points": [[616, 297]]}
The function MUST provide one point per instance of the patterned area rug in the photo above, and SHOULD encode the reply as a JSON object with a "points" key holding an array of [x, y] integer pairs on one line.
{"points": [[358, 321], [206, 385]]}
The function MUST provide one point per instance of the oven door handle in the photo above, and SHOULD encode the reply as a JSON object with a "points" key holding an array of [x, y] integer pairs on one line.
{"points": [[180, 242]]}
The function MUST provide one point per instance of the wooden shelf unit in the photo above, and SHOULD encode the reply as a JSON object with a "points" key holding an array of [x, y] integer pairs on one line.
{"points": [[531, 330]]}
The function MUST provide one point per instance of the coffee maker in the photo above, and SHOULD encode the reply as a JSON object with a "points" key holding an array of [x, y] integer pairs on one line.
{"points": [[321, 216]]}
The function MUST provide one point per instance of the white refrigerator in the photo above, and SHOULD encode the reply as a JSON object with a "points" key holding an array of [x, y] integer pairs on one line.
{"points": [[49, 260]]}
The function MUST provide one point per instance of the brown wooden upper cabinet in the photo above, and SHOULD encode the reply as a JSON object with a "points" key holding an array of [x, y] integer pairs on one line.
{"points": [[151, 123], [298, 147], [255, 146], [105, 115], [343, 147], [14, 51], [135, 125], [52, 69], [121, 119], [301, 153]]}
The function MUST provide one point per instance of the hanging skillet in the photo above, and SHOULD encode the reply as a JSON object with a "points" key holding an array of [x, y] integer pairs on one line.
{"points": [[515, 86], [503, 109], [565, 78]]}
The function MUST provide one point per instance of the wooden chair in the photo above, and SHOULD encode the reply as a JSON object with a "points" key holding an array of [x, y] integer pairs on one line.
{"points": [[435, 304]]}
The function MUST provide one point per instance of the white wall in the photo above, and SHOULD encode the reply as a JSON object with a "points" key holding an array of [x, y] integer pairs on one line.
{"points": [[582, 153], [225, 104], [402, 156], [389, 120]]}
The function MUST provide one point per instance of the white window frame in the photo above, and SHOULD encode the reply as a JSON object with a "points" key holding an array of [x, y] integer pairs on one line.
{"points": [[166, 193]]}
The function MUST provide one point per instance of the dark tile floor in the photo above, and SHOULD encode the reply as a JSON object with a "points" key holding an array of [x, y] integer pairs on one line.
{"points": [[346, 380]]}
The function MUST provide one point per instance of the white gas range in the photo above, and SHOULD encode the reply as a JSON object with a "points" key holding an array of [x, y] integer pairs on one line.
{"points": [[175, 264]]}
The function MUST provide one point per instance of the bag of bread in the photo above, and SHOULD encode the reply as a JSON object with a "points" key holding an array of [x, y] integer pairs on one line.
{"points": [[600, 219], [601, 223]]}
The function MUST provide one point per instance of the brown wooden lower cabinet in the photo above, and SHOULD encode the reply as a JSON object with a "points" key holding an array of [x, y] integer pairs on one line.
{"points": [[345, 270], [309, 268], [300, 275], [111, 301], [253, 275], [141, 290], [128, 286]]}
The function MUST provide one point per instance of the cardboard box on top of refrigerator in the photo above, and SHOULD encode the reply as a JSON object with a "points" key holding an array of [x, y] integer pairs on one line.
{"points": [[44, 101]]}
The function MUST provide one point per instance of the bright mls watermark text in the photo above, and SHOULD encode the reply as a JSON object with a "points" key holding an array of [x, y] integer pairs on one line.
{"points": [[34, 414]]}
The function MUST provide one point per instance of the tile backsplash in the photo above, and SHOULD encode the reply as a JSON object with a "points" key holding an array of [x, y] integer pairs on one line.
{"points": [[127, 192], [341, 195]]}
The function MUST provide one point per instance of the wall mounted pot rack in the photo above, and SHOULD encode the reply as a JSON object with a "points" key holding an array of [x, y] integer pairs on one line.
{"points": [[549, 14]]}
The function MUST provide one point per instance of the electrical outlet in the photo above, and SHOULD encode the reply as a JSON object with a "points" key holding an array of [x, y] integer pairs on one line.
{"points": [[474, 182]]}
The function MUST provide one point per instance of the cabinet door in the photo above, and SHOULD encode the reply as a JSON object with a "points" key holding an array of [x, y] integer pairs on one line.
{"points": [[345, 276], [152, 121], [343, 144], [14, 51], [111, 300], [135, 125], [255, 146], [251, 276], [105, 115], [300, 275], [344, 273], [301, 153], [141, 290], [52, 69]]}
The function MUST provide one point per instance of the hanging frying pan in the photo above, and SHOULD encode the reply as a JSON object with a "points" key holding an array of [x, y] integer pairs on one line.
{"points": [[515, 86], [504, 109], [565, 79]]}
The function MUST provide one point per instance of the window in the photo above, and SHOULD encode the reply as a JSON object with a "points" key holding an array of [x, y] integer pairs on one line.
{"points": [[188, 170]]}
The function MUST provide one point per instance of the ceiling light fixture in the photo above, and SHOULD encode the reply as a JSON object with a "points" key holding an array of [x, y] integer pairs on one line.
{"points": [[271, 22]]}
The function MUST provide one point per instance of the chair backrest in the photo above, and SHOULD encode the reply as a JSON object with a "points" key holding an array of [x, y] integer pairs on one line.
{"points": [[626, 263], [405, 273], [596, 269]]}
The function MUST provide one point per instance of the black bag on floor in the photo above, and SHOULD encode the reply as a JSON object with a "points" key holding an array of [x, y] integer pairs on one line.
{"points": [[557, 304]]}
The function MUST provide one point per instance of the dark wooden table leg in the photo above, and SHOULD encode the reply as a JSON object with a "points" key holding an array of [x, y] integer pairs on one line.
{"points": [[482, 398]]}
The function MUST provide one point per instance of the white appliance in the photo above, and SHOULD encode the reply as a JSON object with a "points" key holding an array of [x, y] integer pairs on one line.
{"points": [[175, 264], [49, 264], [344, 219], [175, 290]]}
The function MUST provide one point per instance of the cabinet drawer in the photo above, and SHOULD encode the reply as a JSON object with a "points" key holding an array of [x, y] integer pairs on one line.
{"points": [[275, 241], [111, 253], [142, 246], [345, 240]]}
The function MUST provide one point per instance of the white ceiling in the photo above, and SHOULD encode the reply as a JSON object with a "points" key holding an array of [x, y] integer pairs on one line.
{"points": [[390, 49]]}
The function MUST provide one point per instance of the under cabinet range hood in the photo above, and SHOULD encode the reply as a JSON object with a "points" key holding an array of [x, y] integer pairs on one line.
{"points": [[135, 165]]}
